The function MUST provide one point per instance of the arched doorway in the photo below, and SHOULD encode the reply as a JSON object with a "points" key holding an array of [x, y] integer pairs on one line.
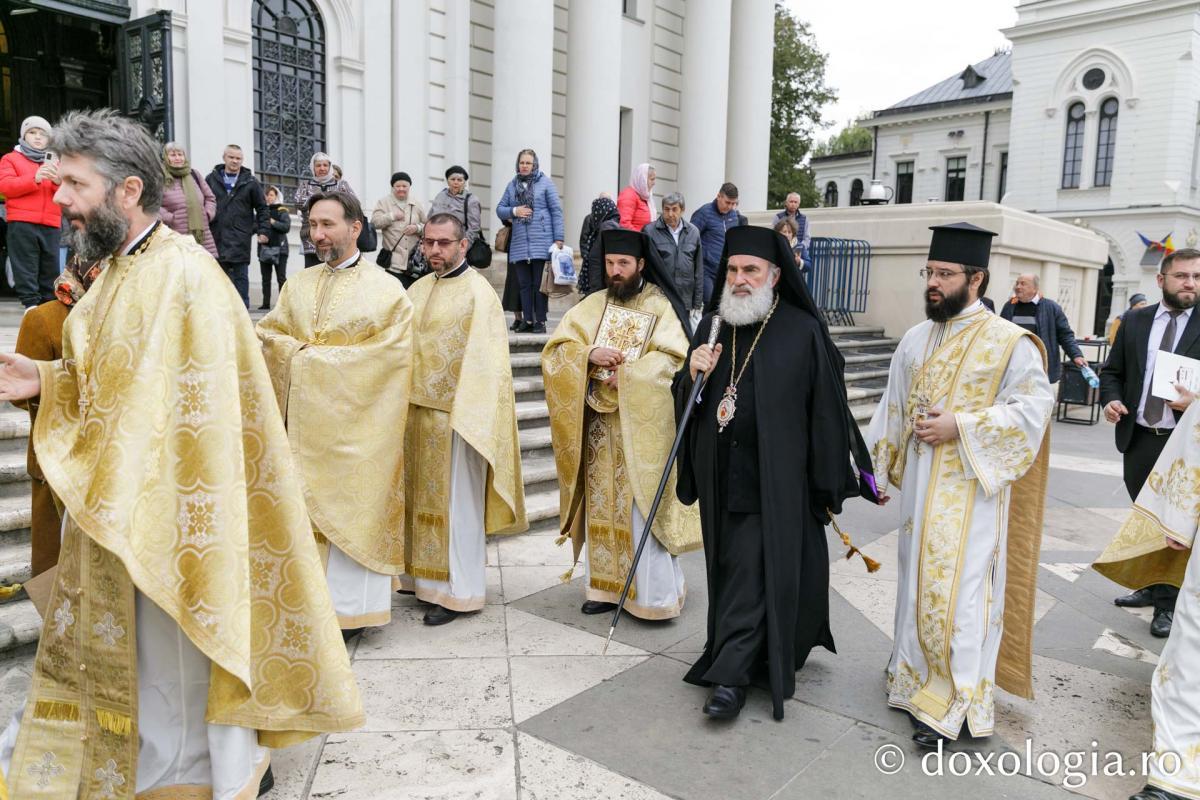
{"points": [[1104, 295], [856, 192], [289, 89], [831, 195]]}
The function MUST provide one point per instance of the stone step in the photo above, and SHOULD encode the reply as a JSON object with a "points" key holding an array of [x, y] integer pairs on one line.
{"points": [[15, 515], [869, 358], [860, 343], [526, 364], [534, 442], [860, 375], [527, 342], [856, 394], [865, 330], [862, 412], [20, 624], [14, 559], [541, 506]]}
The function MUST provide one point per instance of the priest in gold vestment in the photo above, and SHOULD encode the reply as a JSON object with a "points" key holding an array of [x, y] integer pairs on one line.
{"points": [[960, 432], [462, 455], [608, 370], [338, 346], [188, 629]]}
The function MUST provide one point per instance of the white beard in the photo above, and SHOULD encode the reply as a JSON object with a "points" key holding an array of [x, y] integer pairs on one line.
{"points": [[746, 309]]}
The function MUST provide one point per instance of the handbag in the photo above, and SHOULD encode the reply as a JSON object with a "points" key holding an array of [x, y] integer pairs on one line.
{"points": [[384, 258], [268, 254], [367, 238], [479, 254], [502, 237]]}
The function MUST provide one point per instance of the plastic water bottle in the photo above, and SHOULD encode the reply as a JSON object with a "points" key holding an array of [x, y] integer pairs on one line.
{"points": [[1089, 375]]}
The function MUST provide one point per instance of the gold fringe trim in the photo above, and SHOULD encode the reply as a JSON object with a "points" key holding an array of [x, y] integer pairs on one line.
{"points": [[872, 564], [435, 521], [56, 710], [616, 587], [432, 573], [112, 722]]}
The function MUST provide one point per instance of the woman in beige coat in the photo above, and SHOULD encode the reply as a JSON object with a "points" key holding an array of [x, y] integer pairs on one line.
{"points": [[399, 221]]}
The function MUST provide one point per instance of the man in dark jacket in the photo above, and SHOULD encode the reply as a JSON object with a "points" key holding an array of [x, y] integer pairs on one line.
{"points": [[712, 220], [678, 242], [1046, 319], [241, 212]]}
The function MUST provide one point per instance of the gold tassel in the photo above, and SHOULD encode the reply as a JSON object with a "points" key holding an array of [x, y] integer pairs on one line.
{"points": [[56, 710], [10, 591], [566, 576], [3, 789], [872, 564], [561, 540], [111, 721]]}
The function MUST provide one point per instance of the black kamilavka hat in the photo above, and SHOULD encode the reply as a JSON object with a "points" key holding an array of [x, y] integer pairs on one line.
{"points": [[961, 243]]}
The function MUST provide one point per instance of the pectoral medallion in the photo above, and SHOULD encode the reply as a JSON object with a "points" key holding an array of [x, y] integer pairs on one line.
{"points": [[726, 408]]}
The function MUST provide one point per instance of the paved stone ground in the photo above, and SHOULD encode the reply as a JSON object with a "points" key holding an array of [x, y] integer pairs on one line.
{"points": [[517, 702]]}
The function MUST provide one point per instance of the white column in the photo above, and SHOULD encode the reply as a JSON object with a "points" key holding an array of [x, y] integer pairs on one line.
{"points": [[593, 105], [410, 93], [522, 86], [751, 67], [458, 84], [705, 102]]}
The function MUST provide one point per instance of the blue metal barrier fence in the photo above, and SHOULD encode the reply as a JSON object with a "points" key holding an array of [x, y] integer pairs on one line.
{"points": [[837, 277]]}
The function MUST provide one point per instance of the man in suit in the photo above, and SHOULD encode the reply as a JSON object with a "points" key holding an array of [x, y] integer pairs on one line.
{"points": [[1046, 320], [1145, 422]]}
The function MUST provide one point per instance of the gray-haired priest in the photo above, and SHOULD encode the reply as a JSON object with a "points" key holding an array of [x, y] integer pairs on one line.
{"points": [[767, 452], [188, 627], [960, 432]]}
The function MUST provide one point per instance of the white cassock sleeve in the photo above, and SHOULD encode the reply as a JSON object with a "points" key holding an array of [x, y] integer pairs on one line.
{"points": [[1000, 443]]}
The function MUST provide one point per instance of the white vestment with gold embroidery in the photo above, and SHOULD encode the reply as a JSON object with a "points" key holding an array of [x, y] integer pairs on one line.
{"points": [[1168, 507], [1021, 409]]}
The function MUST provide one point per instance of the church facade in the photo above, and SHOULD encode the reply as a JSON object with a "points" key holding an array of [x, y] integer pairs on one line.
{"points": [[594, 86], [1093, 119]]}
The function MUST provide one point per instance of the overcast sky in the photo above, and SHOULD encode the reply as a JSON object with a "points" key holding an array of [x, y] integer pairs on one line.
{"points": [[881, 51]]}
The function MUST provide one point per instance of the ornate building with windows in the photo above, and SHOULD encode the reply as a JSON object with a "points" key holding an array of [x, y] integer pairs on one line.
{"points": [[1092, 119], [594, 86]]}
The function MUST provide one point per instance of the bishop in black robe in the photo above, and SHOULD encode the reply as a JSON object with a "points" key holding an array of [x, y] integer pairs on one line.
{"points": [[766, 485]]}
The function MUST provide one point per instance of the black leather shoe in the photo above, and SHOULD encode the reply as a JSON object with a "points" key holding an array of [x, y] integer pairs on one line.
{"points": [[405, 591], [1139, 599], [524, 327], [350, 633], [1160, 626], [725, 702], [1154, 793], [267, 783], [516, 326], [439, 616], [925, 736], [597, 607], [265, 307], [539, 327]]}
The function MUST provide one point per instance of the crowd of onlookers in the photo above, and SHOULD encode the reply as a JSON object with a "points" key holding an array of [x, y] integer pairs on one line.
{"points": [[229, 212]]}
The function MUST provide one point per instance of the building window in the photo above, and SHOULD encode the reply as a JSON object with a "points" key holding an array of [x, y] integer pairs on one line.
{"points": [[1106, 142], [904, 181], [289, 89], [831, 195], [856, 190], [1093, 79], [956, 178], [1003, 178], [1073, 147]]}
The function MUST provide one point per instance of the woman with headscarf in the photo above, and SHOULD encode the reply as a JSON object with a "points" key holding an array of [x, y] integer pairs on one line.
{"points": [[633, 203], [322, 180], [40, 338], [530, 203], [604, 217], [188, 204]]}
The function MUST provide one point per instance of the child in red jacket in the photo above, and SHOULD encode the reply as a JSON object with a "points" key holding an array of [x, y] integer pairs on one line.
{"points": [[28, 181]]}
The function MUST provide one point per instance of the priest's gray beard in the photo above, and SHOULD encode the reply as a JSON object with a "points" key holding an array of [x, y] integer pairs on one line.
{"points": [[746, 309], [103, 232]]}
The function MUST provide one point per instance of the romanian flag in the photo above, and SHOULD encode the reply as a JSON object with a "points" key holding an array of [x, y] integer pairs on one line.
{"points": [[1166, 246]]}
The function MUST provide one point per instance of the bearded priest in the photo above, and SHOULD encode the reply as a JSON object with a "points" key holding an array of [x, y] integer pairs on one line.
{"points": [[189, 627], [608, 370], [462, 454], [338, 346], [767, 452], [961, 433]]}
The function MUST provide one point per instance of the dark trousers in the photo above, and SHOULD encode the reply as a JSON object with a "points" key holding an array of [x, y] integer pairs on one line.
{"points": [[740, 628], [279, 267], [1144, 449], [239, 273], [33, 253], [710, 280], [533, 302], [311, 260]]}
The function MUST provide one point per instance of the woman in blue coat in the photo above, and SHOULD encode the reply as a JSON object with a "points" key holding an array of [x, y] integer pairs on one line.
{"points": [[530, 203]]}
